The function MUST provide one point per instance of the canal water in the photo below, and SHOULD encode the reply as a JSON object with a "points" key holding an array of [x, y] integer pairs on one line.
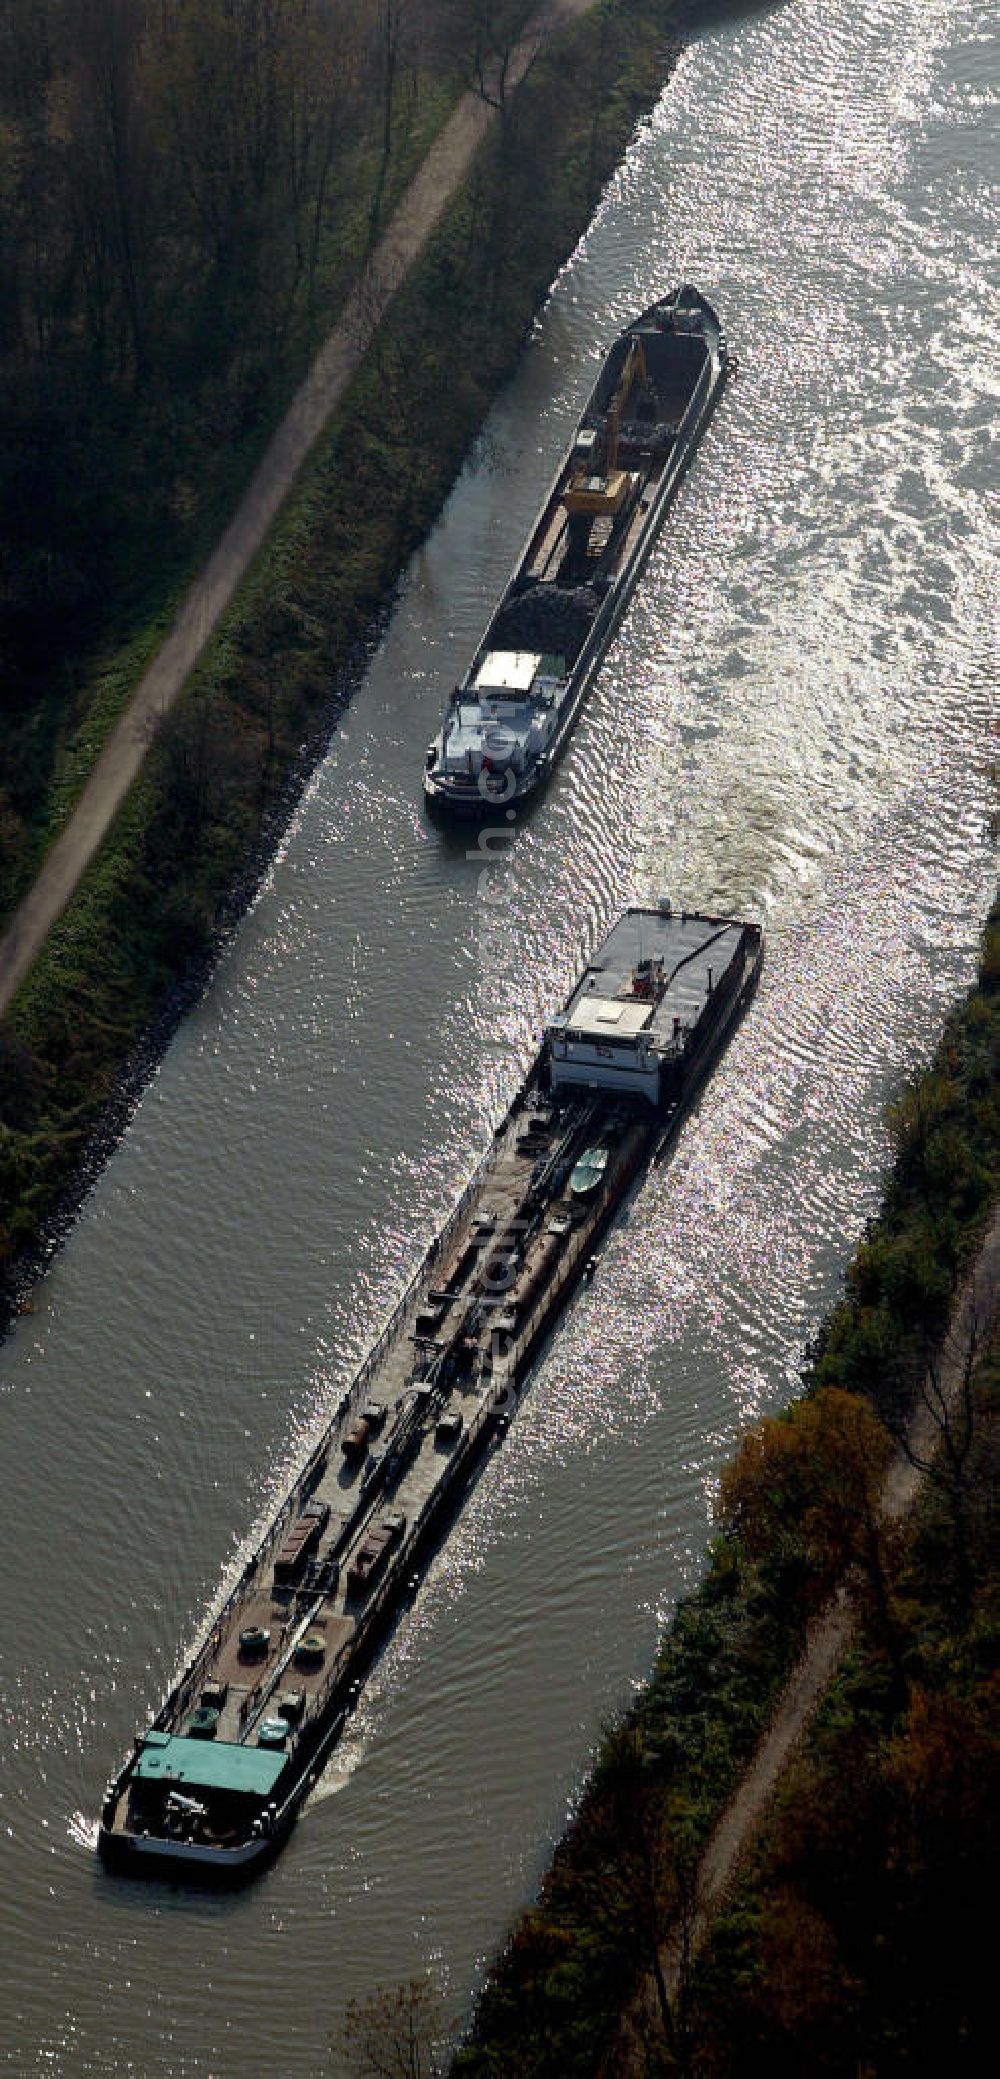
{"points": [[793, 722]]}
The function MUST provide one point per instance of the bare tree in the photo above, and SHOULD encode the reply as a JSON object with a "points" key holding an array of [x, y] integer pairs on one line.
{"points": [[391, 21], [491, 52], [111, 161], [941, 1446], [650, 1874], [397, 2032]]}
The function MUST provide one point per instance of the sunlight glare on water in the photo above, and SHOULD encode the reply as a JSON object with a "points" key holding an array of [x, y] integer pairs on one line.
{"points": [[794, 722]]}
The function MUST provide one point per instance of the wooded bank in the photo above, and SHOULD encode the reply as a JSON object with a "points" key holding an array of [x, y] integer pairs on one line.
{"points": [[218, 784], [188, 189], [856, 1942]]}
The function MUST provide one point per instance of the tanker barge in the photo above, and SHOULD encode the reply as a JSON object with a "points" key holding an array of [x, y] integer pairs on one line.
{"points": [[213, 1785], [510, 717]]}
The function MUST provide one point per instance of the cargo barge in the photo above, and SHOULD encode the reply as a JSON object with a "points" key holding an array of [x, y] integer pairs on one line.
{"points": [[213, 1785], [508, 720]]}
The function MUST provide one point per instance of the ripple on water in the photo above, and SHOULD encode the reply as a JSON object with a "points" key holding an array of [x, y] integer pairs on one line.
{"points": [[794, 720]]}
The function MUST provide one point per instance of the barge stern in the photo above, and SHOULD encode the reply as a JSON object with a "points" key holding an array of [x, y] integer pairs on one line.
{"points": [[509, 719], [212, 1786]]}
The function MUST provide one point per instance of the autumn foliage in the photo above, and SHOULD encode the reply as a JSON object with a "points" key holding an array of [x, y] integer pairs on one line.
{"points": [[857, 1944], [803, 1492]]}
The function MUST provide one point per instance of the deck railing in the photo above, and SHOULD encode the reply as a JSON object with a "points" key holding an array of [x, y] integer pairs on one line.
{"points": [[186, 1683]]}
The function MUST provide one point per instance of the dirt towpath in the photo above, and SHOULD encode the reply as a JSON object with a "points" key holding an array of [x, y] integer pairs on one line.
{"points": [[800, 1699], [421, 209]]}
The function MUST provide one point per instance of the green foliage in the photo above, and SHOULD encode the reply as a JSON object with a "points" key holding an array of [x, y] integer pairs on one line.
{"points": [[659, 1778], [858, 1940], [220, 774], [809, 1967], [186, 194], [946, 1174]]}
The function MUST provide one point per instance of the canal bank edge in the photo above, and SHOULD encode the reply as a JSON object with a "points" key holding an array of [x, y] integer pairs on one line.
{"points": [[134, 948], [623, 1875]]}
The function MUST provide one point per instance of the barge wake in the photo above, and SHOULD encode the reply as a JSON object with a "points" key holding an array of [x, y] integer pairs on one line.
{"points": [[212, 1787], [510, 718]]}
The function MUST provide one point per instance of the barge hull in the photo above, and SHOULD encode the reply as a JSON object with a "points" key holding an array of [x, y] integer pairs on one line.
{"points": [[460, 1344], [539, 724]]}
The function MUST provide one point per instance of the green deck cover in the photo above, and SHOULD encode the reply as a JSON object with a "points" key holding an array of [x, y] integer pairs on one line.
{"points": [[209, 1765]]}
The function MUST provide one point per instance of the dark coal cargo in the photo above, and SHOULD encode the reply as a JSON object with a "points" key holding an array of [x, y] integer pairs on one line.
{"points": [[508, 720]]}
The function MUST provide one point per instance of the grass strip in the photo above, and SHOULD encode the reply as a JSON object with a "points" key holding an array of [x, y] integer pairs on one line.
{"points": [[624, 1871], [220, 782]]}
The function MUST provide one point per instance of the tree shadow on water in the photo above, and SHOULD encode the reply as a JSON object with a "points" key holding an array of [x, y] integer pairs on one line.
{"points": [[699, 17]]}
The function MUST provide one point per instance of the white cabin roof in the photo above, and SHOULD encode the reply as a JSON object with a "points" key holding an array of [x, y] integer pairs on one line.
{"points": [[607, 1014], [508, 671], [689, 954]]}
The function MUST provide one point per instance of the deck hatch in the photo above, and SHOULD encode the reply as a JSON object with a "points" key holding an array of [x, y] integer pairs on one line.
{"points": [[211, 1765], [609, 1015], [508, 671]]}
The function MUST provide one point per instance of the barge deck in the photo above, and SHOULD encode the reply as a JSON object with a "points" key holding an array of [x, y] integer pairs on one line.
{"points": [[509, 719], [213, 1786]]}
